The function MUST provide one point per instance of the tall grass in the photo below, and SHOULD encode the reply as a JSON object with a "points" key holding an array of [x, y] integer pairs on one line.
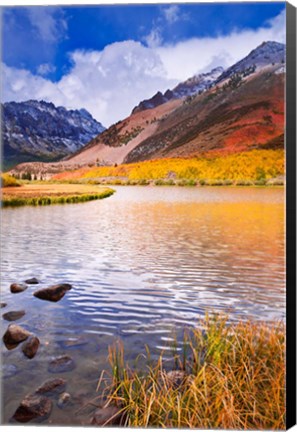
{"points": [[227, 376], [17, 201]]}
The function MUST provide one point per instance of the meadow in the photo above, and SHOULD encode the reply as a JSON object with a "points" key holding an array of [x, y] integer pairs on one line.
{"points": [[257, 167], [16, 195]]}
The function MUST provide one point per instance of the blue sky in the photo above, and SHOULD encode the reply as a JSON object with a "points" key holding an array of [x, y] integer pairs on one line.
{"points": [[134, 50]]}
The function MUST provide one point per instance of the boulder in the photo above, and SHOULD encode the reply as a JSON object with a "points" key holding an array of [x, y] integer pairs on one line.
{"points": [[17, 288], [60, 364], [2, 305], [32, 281], [52, 387], [13, 315], [14, 335], [63, 400], [33, 407], [53, 293], [30, 347], [108, 416]]}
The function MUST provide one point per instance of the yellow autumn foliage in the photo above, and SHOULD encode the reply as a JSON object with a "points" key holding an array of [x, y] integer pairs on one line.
{"points": [[250, 165]]}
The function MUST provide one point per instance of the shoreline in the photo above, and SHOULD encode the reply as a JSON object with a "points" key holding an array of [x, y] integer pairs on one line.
{"points": [[49, 194]]}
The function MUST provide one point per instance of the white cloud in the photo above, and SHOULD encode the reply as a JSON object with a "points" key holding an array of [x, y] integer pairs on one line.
{"points": [[49, 22], [45, 68], [154, 38], [172, 14], [109, 83]]}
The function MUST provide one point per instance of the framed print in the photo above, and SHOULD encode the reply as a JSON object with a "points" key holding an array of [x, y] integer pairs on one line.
{"points": [[148, 220]]}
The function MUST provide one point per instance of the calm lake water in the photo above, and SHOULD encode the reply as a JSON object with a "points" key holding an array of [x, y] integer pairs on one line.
{"points": [[144, 263]]}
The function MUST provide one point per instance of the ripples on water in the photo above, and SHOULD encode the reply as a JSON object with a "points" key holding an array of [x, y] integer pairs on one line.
{"points": [[142, 263]]}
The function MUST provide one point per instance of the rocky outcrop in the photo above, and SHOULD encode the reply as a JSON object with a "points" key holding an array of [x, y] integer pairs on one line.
{"points": [[14, 335], [63, 400], [53, 293], [61, 364], [32, 281], [33, 407], [30, 347], [108, 416], [52, 387], [18, 287], [13, 315]]}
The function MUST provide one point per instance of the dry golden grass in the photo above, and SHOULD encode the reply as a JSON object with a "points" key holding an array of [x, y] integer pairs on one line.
{"points": [[46, 193], [233, 377]]}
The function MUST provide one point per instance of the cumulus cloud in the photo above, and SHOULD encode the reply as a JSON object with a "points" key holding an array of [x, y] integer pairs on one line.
{"points": [[109, 83]]}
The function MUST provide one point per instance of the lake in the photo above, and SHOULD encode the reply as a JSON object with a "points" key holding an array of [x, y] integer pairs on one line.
{"points": [[144, 264]]}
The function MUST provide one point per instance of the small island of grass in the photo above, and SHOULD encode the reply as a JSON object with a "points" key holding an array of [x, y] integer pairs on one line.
{"points": [[46, 193]]}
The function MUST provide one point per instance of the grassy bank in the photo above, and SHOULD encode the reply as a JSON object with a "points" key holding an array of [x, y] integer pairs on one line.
{"points": [[257, 167], [229, 377], [45, 194]]}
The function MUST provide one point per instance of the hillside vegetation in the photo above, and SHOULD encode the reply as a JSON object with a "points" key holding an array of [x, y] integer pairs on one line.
{"points": [[253, 166]]}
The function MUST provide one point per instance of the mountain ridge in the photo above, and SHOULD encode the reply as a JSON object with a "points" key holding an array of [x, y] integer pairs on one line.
{"points": [[43, 131]]}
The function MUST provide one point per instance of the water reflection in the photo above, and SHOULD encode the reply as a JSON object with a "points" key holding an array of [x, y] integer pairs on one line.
{"points": [[142, 263]]}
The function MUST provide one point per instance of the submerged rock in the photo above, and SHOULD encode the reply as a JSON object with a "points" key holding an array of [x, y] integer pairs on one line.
{"points": [[14, 335], [176, 378], [63, 400], [9, 370], [13, 315], [108, 416], [32, 407], [53, 293], [52, 387], [2, 305], [60, 364], [17, 288], [31, 346], [32, 281]]}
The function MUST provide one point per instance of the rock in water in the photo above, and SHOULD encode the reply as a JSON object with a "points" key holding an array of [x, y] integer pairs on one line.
{"points": [[14, 335], [8, 371], [61, 364], [52, 387], [17, 288], [2, 305], [31, 346], [13, 315], [111, 415], [32, 281], [53, 293], [33, 407], [176, 378], [63, 400]]}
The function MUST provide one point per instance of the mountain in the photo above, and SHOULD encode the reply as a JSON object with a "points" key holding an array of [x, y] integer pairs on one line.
{"points": [[241, 111], [236, 115], [37, 131], [191, 86], [268, 53]]}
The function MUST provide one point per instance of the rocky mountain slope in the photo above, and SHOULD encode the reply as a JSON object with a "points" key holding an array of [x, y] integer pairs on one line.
{"points": [[191, 86], [36, 130], [268, 53]]}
